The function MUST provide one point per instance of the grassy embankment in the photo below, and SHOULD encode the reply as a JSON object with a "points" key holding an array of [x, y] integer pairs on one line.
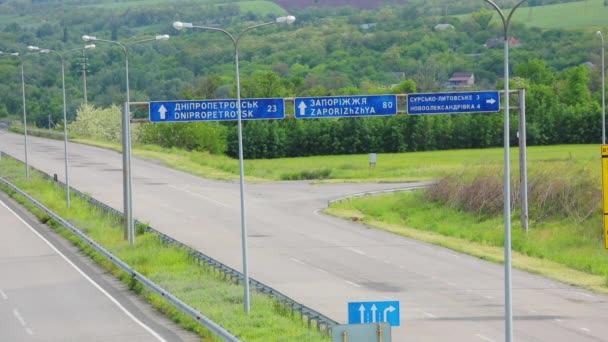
{"points": [[590, 13], [568, 248], [172, 268]]}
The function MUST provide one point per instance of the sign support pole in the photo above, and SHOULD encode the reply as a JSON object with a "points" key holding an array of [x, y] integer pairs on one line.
{"points": [[523, 166]]}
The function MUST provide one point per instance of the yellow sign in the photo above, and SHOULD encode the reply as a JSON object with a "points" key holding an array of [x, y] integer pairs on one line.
{"points": [[605, 191]]}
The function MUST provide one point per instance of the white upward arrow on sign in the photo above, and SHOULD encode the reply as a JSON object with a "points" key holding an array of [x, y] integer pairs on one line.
{"points": [[362, 312], [162, 110], [302, 107], [491, 101]]}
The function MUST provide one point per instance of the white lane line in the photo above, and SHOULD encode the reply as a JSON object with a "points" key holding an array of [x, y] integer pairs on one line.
{"points": [[353, 284], [428, 314], [19, 317], [488, 297], [585, 330], [322, 270], [297, 261], [584, 294], [29, 331], [558, 320], [354, 250], [450, 283], [3, 295], [91, 281], [200, 196], [484, 338]]}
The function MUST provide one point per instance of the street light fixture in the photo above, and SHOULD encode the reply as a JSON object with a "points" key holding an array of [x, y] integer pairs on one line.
{"points": [[178, 25], [599, 33], [65, 118], [507, 181], [27, 165], [126, 138], [84, 70]]}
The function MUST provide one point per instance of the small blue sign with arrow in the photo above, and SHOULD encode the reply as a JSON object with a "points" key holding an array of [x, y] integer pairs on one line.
{"points": [[451, 103], [374, 312]]}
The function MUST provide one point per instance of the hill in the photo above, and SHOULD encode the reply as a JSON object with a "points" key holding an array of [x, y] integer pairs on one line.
{"points": [[363, 4]]}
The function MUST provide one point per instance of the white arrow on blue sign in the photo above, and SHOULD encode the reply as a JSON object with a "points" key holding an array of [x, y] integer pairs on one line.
{"points": [[451, 103], [374, 312], [216, 110], [345, 106]]}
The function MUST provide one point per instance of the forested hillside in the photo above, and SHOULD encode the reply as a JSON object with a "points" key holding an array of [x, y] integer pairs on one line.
{"points": [[327, 51]]}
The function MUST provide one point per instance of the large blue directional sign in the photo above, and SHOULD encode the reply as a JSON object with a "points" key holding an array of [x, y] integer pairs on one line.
{"points": [[374, 312], [216, 110], [450, 103], [344, 106]]}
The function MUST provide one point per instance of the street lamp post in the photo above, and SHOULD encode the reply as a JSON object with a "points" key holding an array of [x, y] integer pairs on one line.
{"points": [[599, 33], [178, 25], [27, 166], [84, 70], [126, 139], [65, 117], [507, 181]]}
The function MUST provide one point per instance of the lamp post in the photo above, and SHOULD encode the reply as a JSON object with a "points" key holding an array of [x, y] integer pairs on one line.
{"points": [[27, 166], [126, 139], [178, 25], [84, 70], [599, 33], [65, 118], [507, 181]]}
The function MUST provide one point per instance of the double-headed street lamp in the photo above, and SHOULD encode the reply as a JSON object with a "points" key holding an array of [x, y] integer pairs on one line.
{"points": [[599, 33], [27, 166], [507, 180], [126, 139], [65, 118], [178, 25]]}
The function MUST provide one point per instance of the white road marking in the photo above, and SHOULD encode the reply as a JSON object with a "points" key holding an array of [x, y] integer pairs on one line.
{"points": [[354, 250], [19, 317], [387, 298], [29, 331], [428, 314], [488, 297], [484, 338], [558, 320], [450, 284], [322, 270], [584, 294], [585, 330], [353, 284], [3, 295], [91, 281], [533, 311], [200, 196], [297, 261]]}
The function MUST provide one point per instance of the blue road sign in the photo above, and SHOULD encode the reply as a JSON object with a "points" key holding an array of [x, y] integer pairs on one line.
{"points": [[374, 312], [345, 106], [451, 103], [216, 110]]}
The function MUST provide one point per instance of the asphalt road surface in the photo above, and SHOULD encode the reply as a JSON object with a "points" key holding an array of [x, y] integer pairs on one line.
{"points": [[326, 262], [49, 292]]}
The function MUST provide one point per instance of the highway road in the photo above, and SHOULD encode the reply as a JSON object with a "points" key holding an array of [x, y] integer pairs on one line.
{"points": [[49, 292], [326, 262]]}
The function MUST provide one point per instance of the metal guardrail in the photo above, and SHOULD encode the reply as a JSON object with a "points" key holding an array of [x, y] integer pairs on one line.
{"points": [[377, 192], [180, 305], [311, 315]]}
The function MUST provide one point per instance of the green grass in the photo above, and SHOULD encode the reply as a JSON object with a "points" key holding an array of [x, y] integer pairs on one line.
{"points": [[591, 13], [173, 269], [553, 247], [390, 167]]}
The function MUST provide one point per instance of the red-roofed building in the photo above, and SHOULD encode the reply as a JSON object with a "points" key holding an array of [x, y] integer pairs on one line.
{"points": [[462, 79]]}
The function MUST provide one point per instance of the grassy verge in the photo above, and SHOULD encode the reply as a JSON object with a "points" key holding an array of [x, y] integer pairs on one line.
{"points": [[198, 285], [558, 249], [391, 167]]}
